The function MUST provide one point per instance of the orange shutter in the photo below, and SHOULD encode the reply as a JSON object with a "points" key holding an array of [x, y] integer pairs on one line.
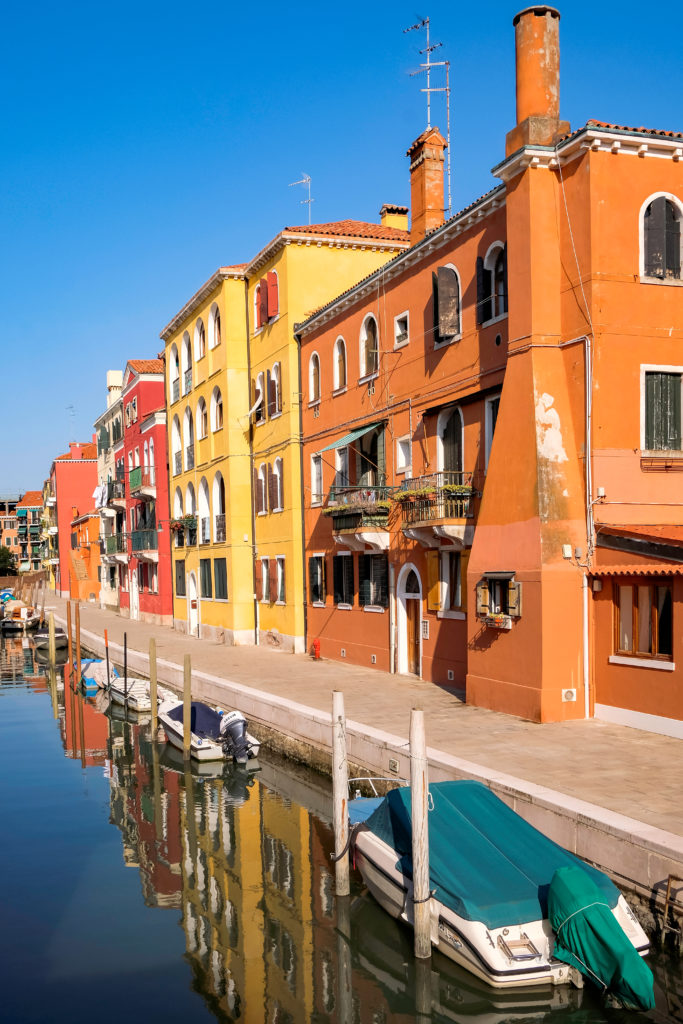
{"points": [[464, 560], [433, 581], [273, 304], [263, 301]]}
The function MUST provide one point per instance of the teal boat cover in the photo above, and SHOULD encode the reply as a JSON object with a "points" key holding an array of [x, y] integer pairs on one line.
{"points": [[485, 862], [590, 938]]}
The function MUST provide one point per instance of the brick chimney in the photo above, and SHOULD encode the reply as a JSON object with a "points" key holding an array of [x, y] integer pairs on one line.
{"points": [[537, 53], [76, 449], [394, 216], [426, 183]]}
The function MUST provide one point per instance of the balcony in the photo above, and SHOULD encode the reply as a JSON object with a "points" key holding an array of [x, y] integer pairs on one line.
{"points": [[175, 390], [204, 530], [116, 492], [361, 515], [220, 528], [142, 481], [145, 543], [187, 382], [117, 545], [189, 457], [437, 507], [34, 530], [177, 463]]}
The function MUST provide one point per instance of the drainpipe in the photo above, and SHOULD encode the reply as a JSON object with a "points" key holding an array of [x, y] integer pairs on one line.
{"points": [[590, 522], [586, 658], [304, 576], [251, 467], [392, 619]]}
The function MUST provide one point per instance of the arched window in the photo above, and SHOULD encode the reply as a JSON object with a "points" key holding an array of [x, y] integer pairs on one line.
{"points": [[314, 378], [151, 453], [277, 498], [199, 339], [369, 347], [449, 450], [174, 374], [492, 286], [204, 512], [258, 321], [218, 508], [178, 504], [216, 409], [145, 456], [447, 325], [202, 419], [661, 243], [186, 363], [500, 285], [214, 326], [190, 501], [339, 365], [188, 437], [275, 390], [261, 490], [176, 446]]}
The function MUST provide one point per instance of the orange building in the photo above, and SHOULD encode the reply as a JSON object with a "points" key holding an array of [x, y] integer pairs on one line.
{"points": [[85, 568], [492, 426]]}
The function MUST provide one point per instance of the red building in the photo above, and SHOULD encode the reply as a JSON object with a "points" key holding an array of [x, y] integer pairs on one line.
{"points": [[141, 544], [73, 478]]}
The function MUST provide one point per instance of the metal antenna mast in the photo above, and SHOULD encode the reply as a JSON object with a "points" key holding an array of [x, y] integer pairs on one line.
{"points": [[305, 180], [427, 66]]}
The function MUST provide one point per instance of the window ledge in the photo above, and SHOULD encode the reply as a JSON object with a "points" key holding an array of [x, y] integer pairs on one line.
{"points": [[274, 510], [318, 604], [339, 391], [373, 608], [281, 603], [450, 614], [345, 607], [276, 415], [667, 454], [407, 470], [445, 342], [313, 403], [217, 429], [261, 513], [368, 377], [633, 662], [495, 320], [316, 504], [674, 282]]}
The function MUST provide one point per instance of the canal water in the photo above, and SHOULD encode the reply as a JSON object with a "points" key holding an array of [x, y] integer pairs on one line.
{"points": [[134, 890]]}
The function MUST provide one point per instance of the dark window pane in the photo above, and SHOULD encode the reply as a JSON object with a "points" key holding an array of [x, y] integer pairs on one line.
{"points": [[220, 578], [180, 578]]}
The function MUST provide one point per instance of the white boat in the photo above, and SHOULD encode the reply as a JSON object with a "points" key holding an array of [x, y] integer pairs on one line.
{"points": [[19, 617], [215, 735], [41, 639], [135, 693], [490, 874], [94, 674]]}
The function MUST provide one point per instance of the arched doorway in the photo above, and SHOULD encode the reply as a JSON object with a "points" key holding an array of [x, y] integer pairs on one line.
{"points": [[409, 615], [194, 606]]}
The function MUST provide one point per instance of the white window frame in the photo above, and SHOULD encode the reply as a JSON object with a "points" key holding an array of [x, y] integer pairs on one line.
{"points": [[199, 327], [276, 376], [490, 265], [407, 465], [645, 368], [280, 564], [644, 278], [339, 386], [279, 486], [445, 611], [314, 399], [444, 342], [317, 470], [215, 395], [366, 375], [202, 418], [265, 579], [263, 480], [488, 430], [213, 313], [341, 471], [260, 413], [405, 315], [320, 555]]}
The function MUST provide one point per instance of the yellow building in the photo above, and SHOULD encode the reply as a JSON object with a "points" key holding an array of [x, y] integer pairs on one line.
{"points": [[233, 413], [300, 270], [207, 385]]}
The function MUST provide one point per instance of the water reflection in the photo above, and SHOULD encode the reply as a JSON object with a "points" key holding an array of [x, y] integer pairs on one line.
{"points": [[242, 857]]}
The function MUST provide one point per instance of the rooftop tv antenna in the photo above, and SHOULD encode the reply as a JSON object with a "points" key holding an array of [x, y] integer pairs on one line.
{"points": [[427, 66], [305, 180], [71, 409]]}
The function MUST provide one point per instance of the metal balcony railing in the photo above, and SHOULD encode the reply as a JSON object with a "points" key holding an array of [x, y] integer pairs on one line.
{"points": [[116, 544], [204, 530], [359, 497], [144, 540], [116, 490], [444, 495], [141, 477], [187, 382], [177, 463], [176, 389], [189, 457], [220, 527]]}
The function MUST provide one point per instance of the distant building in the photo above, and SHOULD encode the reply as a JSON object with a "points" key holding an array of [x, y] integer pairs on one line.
{"points": [[84, 582], [9, 537], [28, 516], [109, 432], [67, 495]]}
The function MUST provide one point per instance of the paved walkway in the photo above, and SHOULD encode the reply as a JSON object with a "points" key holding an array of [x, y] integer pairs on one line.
{"points": [[634, 773]]}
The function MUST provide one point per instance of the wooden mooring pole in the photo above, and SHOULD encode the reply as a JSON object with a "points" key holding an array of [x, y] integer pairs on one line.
{"points": [[106, 655], [153, 687], [125, 670], [78, 644], [187, 706], [51, 639], [70, 649], [42, 605], [419, 793], [340, 794]]}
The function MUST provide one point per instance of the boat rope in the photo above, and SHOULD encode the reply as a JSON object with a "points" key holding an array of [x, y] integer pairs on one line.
{"points": [[360, 826], [427, 898], [596, 903]]}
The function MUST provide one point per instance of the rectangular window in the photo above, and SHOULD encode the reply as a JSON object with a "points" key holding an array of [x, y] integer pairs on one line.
{"points": [[220, 576], [180, 577], [316, 479], [373, 576], [403, 454], [316, 579], [491, 414], [401, 335], [451, 569], [644, 612], [341, 478], [280, 595], [342, 566], [205, 577], [265, 579], [663, 411]]}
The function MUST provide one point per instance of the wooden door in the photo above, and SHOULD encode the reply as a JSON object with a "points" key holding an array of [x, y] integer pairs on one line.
{"points": [[413, 621]]}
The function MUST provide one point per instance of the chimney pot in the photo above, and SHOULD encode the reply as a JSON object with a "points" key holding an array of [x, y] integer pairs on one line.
{"points": [[426, 183], [537, 51], [392, 216]]}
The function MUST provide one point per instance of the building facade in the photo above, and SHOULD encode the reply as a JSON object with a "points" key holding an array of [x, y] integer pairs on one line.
{"points": [[109, 431], [496, 514], [85, 569], [28, 520], [9, 537], [67, 494]]}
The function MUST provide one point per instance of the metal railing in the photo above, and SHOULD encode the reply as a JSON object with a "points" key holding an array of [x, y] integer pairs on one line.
{"points": [[187, 382], [220, 527], [175, 387], [444, 495], [144, 540], [445, 478], [442, 506], [360, 497], [116, 489], [204, 530], [177, 463], [189, 457], [141, 477], [116, 544]]}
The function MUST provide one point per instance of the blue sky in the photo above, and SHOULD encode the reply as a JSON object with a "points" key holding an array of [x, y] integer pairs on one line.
{"points": [[144, 144]]}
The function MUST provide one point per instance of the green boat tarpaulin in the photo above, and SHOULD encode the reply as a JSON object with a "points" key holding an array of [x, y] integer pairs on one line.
{"points": [[590, 938], [485, 862]]}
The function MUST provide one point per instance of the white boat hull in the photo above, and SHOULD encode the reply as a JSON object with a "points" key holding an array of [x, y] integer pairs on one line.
{"points": [[200, 749]]}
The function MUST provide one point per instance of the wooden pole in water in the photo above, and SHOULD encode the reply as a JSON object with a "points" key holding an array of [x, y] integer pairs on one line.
{"points": [[81, 726], [340, 793], [68, 632], [52, 643], [419, 792], [187, 705], [106, 655], [153, 687], [78, 644], [344, 966], [125, 670], [42, 605]]}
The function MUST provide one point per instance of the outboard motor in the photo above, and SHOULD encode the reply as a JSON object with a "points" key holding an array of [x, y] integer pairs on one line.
{"points": [[233, 729]]}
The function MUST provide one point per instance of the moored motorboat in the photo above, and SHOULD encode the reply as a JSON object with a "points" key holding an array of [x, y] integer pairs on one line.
{"points": [[135, 693], [490, 874], [19, 617], [215, 735], [41, 638]]}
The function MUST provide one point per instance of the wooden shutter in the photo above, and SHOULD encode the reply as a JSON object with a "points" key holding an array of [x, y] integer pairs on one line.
{"points": [[448, 302], [272, 580], [655, 237], [483, 597], [663, 411], [313, 594], [272, 488], [263, 300], [673, 243], [435, 306], [277, 387], [380, 579], [272, 394], [433, 581], [281, 563], [349, 588], [323, 578], [273, 299], [259, 580], [483, 292], [514, 598], [363, 580], [338, 578], [256, 504], [464, 560], [505, 277]]}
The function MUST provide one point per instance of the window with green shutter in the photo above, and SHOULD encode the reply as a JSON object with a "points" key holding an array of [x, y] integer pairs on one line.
{"points": [[373, 575], [180, 577], [205, 577], [220, 579], [343, 579], [663, 411]]}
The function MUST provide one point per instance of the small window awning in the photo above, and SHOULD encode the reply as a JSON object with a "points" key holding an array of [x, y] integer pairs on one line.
{"points": [[499, 574], [348, 438]]}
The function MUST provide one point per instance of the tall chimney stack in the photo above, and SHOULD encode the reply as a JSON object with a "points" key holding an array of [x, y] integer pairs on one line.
{"points": [[537, 52], [426, 183]]}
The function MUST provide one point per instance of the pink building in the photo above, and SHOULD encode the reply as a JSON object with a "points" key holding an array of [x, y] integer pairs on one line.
{"points": [[140, 544], [73, 478]]}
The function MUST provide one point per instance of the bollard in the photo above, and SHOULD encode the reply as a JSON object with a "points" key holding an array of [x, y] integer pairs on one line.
{"points": [[78, 644], [68, 634], [340, 794], [187, 705], [42, 605], [125, 670], [419, 793], [106, 655], [153, 686], [52, 643]]}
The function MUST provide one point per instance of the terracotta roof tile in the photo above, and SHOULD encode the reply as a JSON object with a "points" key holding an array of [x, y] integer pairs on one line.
{"points": [[352, 229], [88, 451], [146, 365], [31, 499], [649, 569], [624, 128]]}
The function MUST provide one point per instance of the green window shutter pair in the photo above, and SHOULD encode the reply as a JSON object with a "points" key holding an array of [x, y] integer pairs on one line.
{"points": [[663, 411]]}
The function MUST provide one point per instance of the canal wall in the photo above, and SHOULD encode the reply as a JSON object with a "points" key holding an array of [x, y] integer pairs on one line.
{"points": [[639, 857]]}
